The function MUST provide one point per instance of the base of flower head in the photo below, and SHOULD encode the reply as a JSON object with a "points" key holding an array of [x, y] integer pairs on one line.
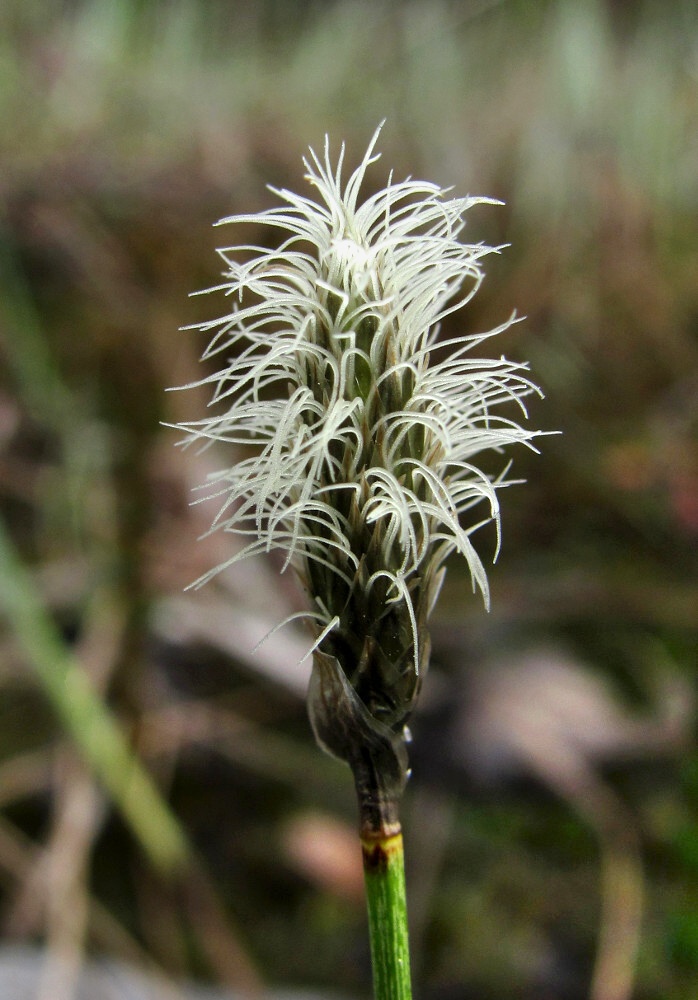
{"points": [[346, 729]]}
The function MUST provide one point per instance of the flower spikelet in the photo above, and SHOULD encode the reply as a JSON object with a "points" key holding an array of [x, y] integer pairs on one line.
{"points": [[364, 426]]}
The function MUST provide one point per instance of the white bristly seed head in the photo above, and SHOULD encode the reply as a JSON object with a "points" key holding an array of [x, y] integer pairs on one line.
{"points": [[362, 470]]}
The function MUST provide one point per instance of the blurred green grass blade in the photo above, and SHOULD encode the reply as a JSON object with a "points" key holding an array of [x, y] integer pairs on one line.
{"points": [[86, 719], [25, 346]]}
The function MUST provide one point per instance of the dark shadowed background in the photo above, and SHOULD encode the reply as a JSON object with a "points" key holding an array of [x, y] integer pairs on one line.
{"points": [[551, 817]]}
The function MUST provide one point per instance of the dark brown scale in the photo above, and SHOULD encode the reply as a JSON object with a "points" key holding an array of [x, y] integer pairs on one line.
{"points": [[375, 858]]}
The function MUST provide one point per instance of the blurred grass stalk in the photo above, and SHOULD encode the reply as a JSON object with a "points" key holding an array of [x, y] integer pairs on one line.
{"points": [[62, 678], [86, 719]]}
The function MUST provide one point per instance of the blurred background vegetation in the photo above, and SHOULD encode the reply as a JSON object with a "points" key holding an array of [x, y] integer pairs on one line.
{"points": [[551, 820]]}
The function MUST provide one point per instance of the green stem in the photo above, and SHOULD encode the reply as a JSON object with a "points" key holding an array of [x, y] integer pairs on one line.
{"points": [[384, 874]]}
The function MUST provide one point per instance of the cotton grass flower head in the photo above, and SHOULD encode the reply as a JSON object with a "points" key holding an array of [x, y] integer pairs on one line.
{"points": [[364, 427]]}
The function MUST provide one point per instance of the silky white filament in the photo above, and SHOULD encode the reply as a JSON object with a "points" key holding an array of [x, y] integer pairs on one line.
{"points": [[359, 418]]}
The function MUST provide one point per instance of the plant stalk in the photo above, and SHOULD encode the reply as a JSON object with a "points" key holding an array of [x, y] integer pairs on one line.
{"points": [[384, 878], [384, 875]]}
